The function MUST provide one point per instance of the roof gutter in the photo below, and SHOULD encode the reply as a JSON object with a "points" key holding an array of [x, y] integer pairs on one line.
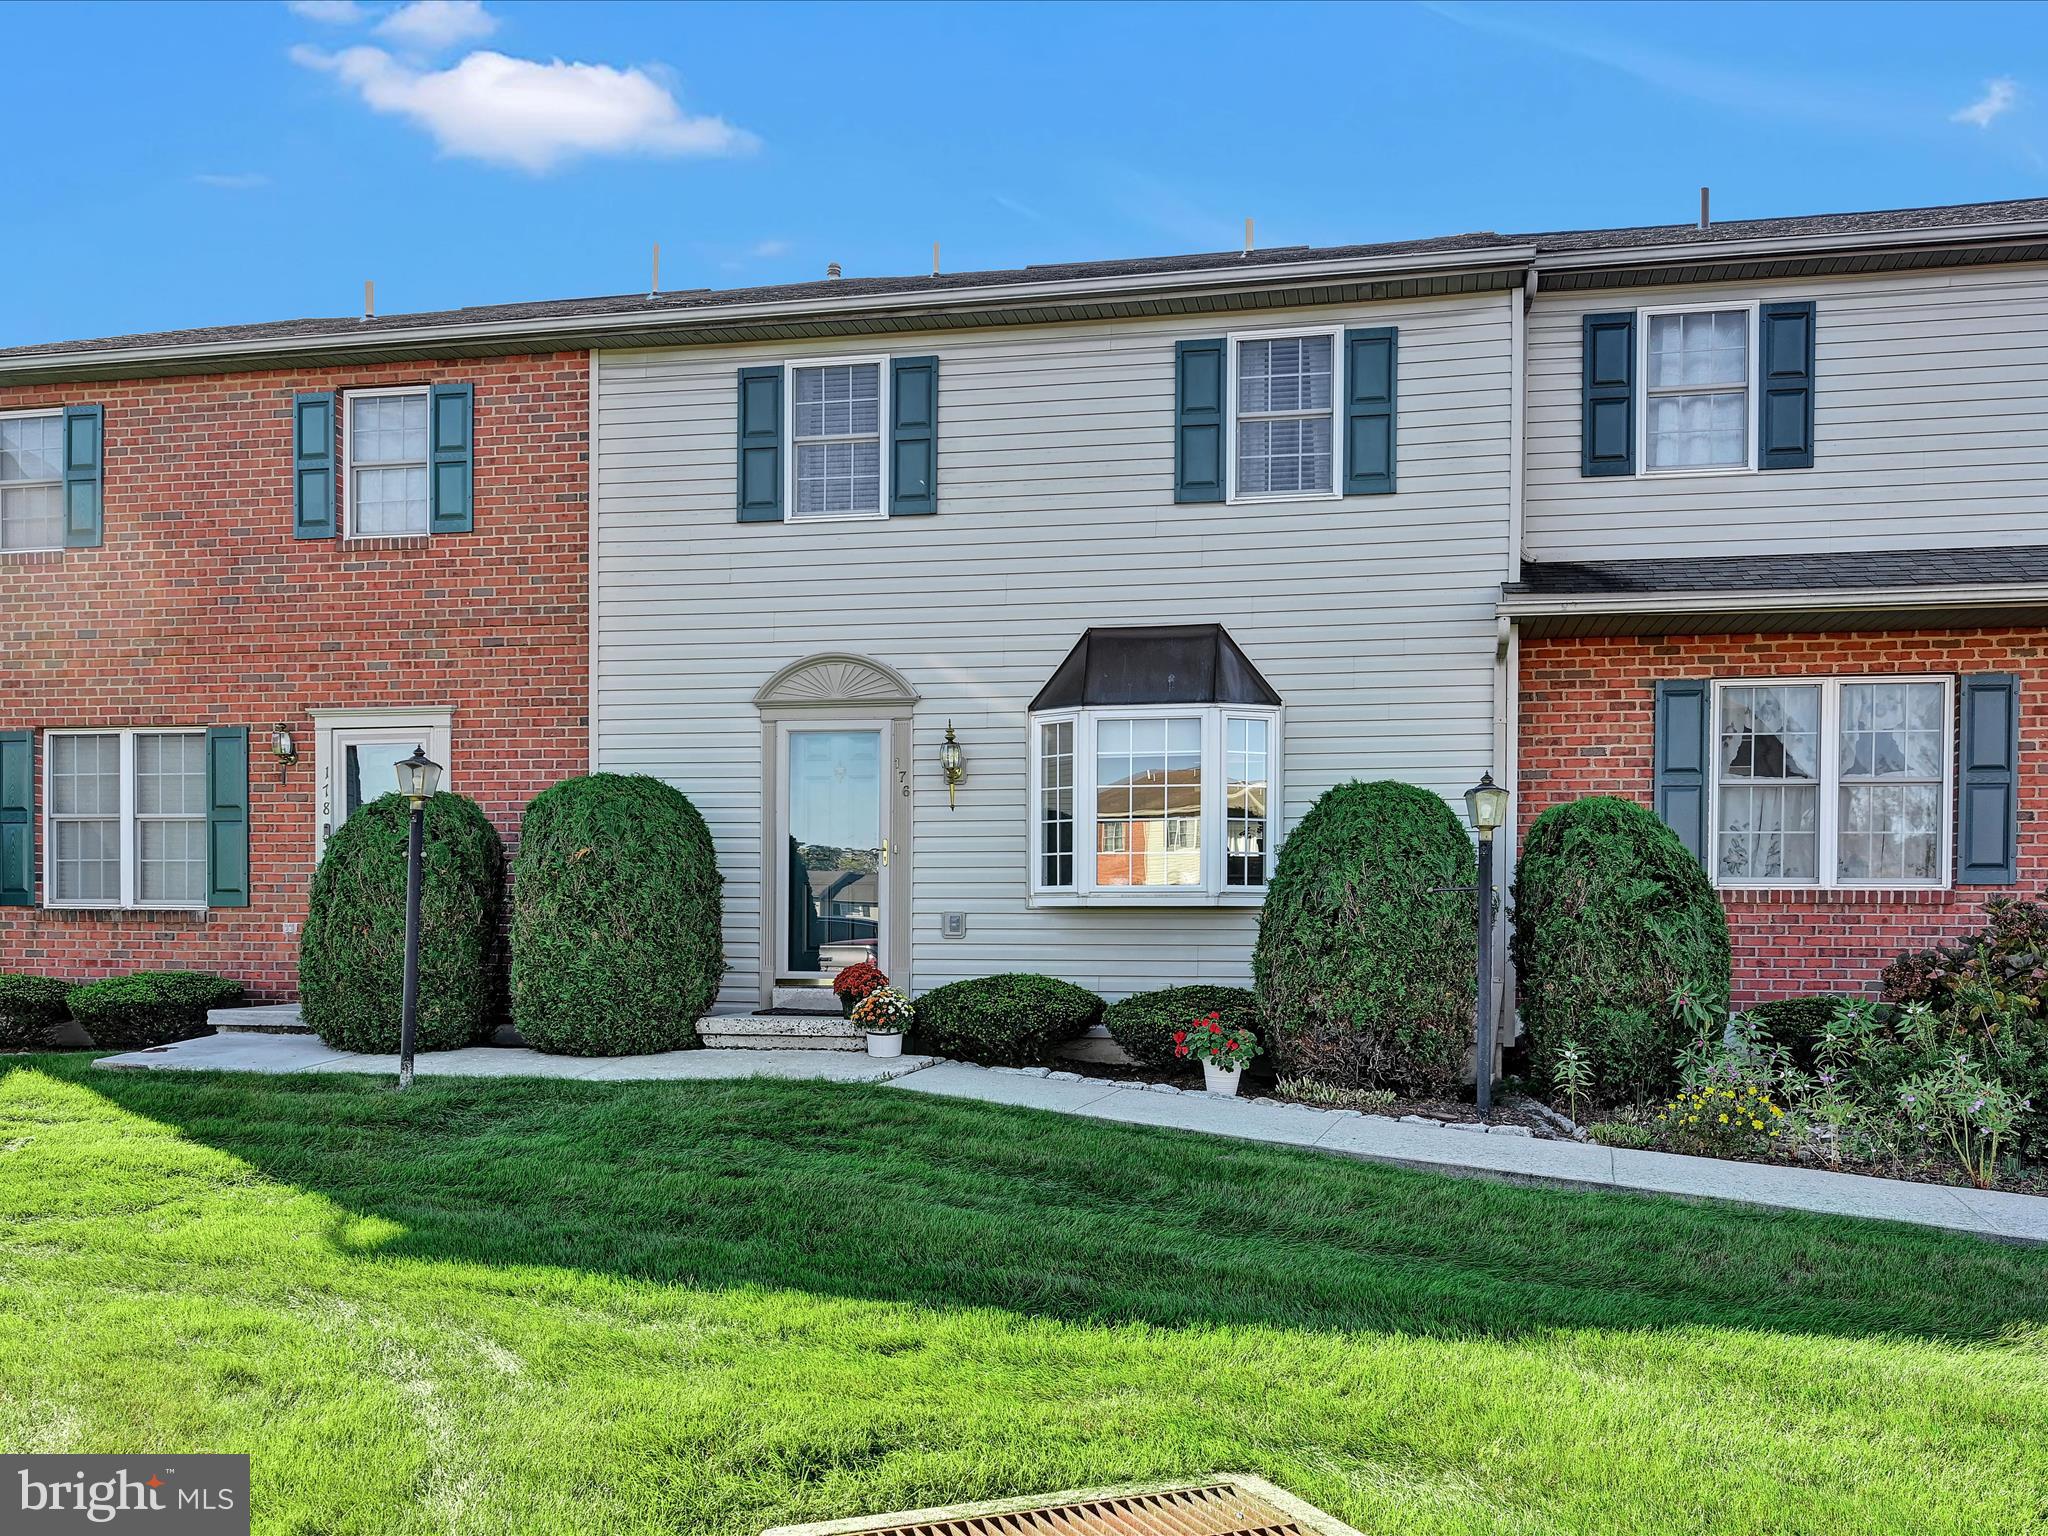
{"points": [[1529, 605], [680, 319]]}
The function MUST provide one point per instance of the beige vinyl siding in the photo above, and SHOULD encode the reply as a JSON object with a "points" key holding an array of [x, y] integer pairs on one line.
{"points": [[1373, 616], [1930, 427]]}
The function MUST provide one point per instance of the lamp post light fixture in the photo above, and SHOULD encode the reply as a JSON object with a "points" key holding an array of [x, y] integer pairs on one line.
{"points": [[954, 765], [1487, 804], [418, 777]]}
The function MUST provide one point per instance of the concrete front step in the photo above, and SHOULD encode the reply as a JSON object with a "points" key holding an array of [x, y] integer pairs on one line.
{"points": [[272, 1019], [810, 999], [781, 1032]]}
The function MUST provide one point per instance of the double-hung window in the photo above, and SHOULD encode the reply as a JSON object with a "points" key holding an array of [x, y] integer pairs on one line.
{"points": [[1145, 804], [1283, 415], [836, 439], [384, 442], [1697, 389], [31, 481], [126, 820], [1833, 782]]}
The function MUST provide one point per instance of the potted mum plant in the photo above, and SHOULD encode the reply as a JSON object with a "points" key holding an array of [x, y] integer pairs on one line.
{"points": [[855, 983], [1222, 1049], [883, 1015]]}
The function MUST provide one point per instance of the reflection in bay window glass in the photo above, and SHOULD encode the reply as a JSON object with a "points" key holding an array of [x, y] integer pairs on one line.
{"points": [[1768, 793], [1893, 745], [1056, 802], [1246, 744], [1148, 802]]}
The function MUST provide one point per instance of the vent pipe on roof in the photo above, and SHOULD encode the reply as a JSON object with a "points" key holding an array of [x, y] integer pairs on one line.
{"points": [[1247, 237], [832, 271], [935, 258], [369, 299], [654, 282], [1704, 220]]}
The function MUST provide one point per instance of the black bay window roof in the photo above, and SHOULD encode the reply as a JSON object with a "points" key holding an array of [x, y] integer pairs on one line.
{"points": [[1157, 664]]}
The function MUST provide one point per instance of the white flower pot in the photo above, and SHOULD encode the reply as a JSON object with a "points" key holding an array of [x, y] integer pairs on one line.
{"points": [[1223, 1080], [884, 1045]]}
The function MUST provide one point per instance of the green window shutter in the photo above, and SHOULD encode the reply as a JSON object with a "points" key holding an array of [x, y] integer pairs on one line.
{"points": [[1607, 411], [227, 816], [1679, 762], [84, 461], [1198, 420], [1369, 368], [313, 466], [1989, 832], [760, 483], [451, 426], [17, 819], [913, 436], [1784, 422]]}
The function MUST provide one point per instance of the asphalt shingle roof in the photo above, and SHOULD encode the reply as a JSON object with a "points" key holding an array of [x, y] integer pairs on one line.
{"points": [[1845, 569], [767, 298]]}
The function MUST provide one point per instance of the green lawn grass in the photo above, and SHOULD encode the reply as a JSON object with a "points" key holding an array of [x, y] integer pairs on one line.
{"points": [[501, 1307]]}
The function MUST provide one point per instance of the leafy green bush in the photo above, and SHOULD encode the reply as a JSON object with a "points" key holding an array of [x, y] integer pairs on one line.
{"points": [[1798, 1024], [352, 950], [1613, 919], [150, 1007], [30, 1007], [1368, 942], [1143, 1023], [1005, 1020], [616, 946]]}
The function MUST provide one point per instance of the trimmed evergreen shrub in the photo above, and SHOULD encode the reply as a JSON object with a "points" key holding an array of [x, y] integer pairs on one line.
{"points": [[1798, 1023], [1004, 1021], [149, 1008], [1143, 1023], [352, 949], [616, 946], [30, 1007], [1368, 942], [1613, 917]]}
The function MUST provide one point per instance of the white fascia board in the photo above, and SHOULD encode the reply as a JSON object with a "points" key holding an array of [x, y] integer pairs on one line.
{"points": [[1525, 605]]}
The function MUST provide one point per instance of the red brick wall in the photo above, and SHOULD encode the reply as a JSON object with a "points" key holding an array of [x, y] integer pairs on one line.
{"points": [[1586, 730], [202, 609]]}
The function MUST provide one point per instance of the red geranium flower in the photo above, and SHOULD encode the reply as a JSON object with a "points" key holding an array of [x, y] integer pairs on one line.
{"points": [[1180, 1036]]}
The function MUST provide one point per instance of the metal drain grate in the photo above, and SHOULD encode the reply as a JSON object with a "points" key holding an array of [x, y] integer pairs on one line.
{"points": [[1231, 1506]]}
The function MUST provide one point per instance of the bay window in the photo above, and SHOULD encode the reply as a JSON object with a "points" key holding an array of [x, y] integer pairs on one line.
{"points": [[1153, 804], [1842, 782]]}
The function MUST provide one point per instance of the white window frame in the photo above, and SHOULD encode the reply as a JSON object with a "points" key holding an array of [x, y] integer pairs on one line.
{"points": [[1750, 391], [348, 464], [130, 823], [1211, 892], [1336, 334], [885, 388], [42, 549], [1827, 861]]}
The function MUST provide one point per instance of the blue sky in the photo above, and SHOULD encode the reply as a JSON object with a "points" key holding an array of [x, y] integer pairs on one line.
{"points": [[206, 164]]}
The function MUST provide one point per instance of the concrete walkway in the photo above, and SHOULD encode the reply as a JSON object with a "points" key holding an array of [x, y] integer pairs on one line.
{"points": [[1504, 1152]]}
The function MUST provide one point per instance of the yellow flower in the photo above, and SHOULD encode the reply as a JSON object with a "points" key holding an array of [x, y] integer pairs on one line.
{"points": [[1756, 1125], [1724, 1119]]}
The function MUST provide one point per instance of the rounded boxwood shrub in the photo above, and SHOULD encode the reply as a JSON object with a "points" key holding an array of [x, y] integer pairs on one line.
{"points": [[1006, 1020], [1144, 1023], [150, 1007], [616, 946], [1613, 918], [352, 950], [1368, 942], [30, 1007]]}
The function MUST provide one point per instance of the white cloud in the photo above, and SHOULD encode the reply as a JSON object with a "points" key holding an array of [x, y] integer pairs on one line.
{"points": [[430, 25], [528, 114], [768, 250], [333, 13], [1998, 99], [232, 181]]}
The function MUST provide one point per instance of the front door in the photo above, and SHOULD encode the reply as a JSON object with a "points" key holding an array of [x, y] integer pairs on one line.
{"points": [[834, 882], [365, 767]]}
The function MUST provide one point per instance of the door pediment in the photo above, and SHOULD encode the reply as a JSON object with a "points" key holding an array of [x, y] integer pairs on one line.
{"points": [[834, 681]]}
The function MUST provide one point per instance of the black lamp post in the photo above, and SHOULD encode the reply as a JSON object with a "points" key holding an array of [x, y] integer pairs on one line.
{"points": [[1487, 803], [418, 777]]}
